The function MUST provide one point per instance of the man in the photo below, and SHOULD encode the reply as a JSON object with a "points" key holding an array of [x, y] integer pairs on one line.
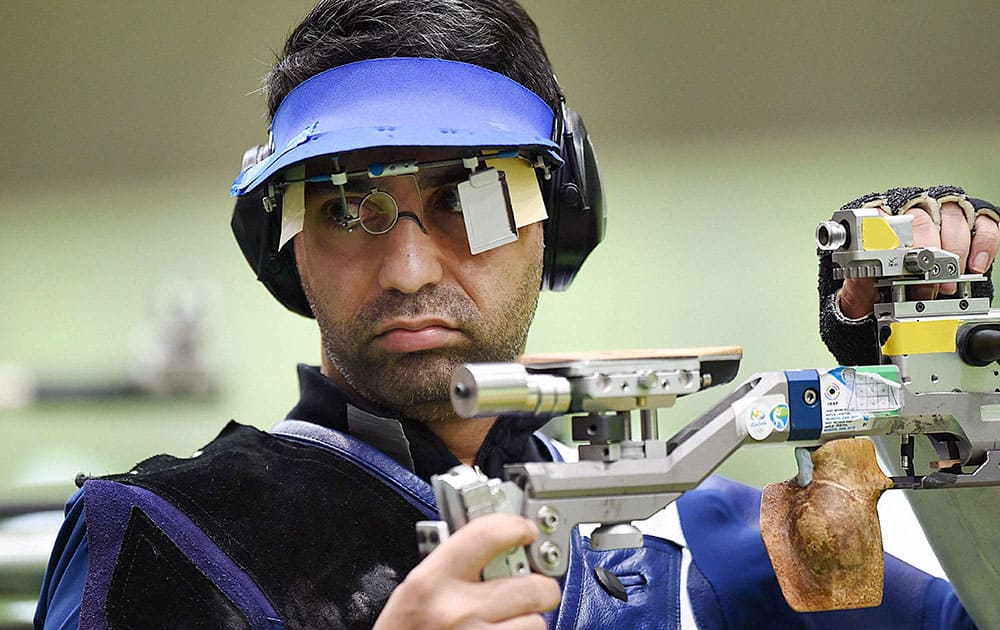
{"points": [[425, 180]]}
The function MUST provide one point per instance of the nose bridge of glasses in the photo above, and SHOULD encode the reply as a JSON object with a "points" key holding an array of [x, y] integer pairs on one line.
{"points": [[385, 201]]}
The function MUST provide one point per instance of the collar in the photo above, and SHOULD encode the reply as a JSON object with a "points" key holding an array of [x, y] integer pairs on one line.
{"points": [[411, 443]]}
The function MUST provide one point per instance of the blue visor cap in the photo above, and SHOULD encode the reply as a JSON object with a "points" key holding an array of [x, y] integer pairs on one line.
{"points": [[403, 102]]}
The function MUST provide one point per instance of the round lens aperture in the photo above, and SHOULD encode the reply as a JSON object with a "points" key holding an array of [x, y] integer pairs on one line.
{"points": [[377, 212]]}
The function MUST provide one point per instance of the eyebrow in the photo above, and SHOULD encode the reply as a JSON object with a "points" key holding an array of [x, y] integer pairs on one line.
{"points": [[434, 177]]}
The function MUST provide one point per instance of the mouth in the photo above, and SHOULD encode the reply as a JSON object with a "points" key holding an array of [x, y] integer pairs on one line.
{"points": [[416, 335]]}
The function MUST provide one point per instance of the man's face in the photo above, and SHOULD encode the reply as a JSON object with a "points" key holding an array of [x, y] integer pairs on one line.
{"points": [[399, 311]]}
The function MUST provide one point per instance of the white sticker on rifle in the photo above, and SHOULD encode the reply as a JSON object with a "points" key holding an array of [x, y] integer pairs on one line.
{"points": [[762, 416], [853, 398]]}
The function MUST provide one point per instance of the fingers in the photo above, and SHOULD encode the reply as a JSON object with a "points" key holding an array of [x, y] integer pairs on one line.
{"points": [[955, 238], [532, 622], [983, 250], [857, 297], [444, 591], [460, 604], [508, 598], [467, 551], [975, 253], [941, 218]]}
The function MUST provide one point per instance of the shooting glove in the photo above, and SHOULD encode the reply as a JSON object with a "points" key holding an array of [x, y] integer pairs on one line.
{"points": [[853, 341]]}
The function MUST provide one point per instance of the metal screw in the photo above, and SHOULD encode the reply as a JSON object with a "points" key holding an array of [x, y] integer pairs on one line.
{"points": [[646, 380], [964, 304], [809, 396], [920, 307], [548, 519], [549, 554], [683, 379]]}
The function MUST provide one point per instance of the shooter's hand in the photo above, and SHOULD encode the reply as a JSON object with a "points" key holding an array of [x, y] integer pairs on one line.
{"points": [[444, 591], [942, 217]]}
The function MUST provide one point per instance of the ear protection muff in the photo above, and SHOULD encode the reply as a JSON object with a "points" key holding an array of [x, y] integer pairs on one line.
{"points": [[257, 231], [574, 199], [573, 195]]}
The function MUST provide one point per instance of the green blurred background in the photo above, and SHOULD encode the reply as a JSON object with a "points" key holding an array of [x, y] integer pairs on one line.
{"points": [[725, 132]]}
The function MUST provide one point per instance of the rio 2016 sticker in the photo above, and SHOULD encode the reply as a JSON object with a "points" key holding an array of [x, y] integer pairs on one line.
{"points": [[763, 416], [758, 426], [779, 417]]}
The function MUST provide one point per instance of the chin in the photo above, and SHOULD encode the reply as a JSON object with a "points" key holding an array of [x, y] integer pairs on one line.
{"points": [[412, 385], [431, 413]]}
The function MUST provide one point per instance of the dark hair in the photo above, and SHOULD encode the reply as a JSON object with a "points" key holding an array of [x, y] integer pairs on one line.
{"points": [[494, 34]]}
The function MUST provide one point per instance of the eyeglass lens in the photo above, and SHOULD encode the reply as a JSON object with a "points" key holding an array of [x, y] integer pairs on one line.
{"points": [[378, 212]]}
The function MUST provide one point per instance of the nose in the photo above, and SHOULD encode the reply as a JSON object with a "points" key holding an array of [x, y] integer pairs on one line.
{"points": [[411, 258]]}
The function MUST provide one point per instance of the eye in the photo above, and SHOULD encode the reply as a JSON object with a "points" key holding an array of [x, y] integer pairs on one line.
{"points": [[446, 200], [334, 209], [334, 212]]}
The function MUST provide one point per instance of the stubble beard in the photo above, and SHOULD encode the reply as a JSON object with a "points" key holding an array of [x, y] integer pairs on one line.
{"points": [[416, 385]]}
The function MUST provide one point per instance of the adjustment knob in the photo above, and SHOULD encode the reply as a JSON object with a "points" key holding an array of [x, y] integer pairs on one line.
{"points": [[979, 345], [571, 196]]}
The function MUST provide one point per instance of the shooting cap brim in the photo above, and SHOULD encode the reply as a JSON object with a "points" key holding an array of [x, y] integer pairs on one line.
{"points": [[403, 102]]}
